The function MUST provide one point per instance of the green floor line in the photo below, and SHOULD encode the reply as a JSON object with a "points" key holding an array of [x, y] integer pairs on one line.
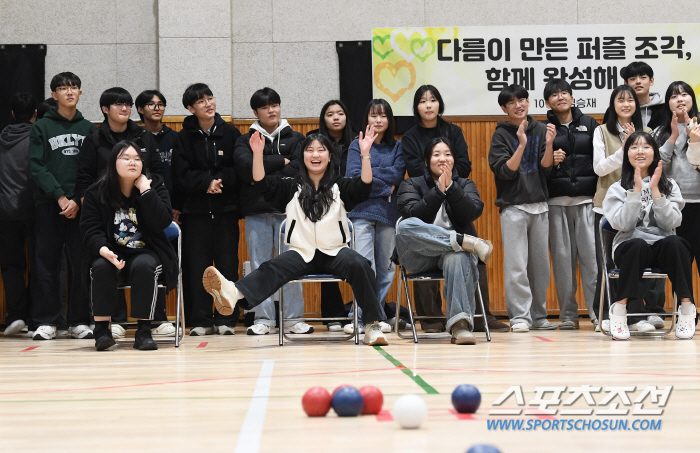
{"points": [[429, 389]]}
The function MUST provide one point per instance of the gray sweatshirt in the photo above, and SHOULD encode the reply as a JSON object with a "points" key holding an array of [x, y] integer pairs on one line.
{"points": [[676, 166], [638, 215]]}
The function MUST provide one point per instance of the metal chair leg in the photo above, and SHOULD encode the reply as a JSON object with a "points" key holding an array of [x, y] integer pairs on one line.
{"points": [[483, 312], [355, 320], [280, 317]]}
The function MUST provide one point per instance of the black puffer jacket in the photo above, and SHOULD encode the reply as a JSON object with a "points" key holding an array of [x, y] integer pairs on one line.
{"points": [[420, 197], [94, 154], [16, 187], [574, 176], [287, 145], [154, 214], [199, 157]]}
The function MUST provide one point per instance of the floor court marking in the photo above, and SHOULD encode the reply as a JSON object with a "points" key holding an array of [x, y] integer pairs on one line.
{"points": [[203, 344], [29, 349], [545, 339], [429, 389], [251, 430]]}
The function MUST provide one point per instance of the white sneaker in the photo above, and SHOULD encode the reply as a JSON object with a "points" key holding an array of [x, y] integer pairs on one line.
{"points": [[685, 326], [166, 329], [656, 321], [386, 328], [14, 327], [374, 335], [117, 331], [642, 326], [81, 332], [226, 330], [258, 329], [618, 326], [349, 328], [202, 331], [520, 327], [44, 333], [62, 333], [334, 327], [300, 328], [545, 325], [223, 291]]}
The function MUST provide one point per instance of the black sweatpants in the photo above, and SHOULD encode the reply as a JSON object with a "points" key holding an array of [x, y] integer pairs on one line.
{"points": [[14, 234], [141, 272], [53, 231], [208, 239], [670, 254], [347, 264], [332, 305]]}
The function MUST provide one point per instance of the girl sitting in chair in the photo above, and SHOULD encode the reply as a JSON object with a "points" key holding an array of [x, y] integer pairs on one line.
{"points": [[645, 207], [439, 209], [123, 220], [316, 204]]}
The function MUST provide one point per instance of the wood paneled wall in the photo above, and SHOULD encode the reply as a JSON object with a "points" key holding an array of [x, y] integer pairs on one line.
{"points": [[477, 131]]}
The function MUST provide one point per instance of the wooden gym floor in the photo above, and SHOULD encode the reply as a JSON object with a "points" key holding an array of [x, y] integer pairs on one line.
{"points": [[243, 393]]}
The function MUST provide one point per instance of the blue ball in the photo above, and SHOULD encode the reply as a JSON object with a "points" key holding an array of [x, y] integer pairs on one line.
{"points": [[483, 449], [466, 399], [347, 402]]}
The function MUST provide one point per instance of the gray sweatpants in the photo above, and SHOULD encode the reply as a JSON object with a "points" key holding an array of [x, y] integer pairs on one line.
{"points": [[525, 265], [571, 236]]}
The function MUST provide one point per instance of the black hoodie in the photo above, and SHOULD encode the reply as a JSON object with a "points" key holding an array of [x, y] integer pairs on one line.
{"points": [[94, 153], [574, 176], [199, 157], [527, 184], [16, 190]]}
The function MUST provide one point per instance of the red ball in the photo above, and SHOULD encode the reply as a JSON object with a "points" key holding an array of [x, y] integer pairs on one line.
{"points": [[338, 388], [316, 402], [373, 400]]}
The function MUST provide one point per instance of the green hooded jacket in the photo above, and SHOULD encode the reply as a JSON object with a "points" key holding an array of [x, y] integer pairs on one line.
{"points": [[54, 144]]}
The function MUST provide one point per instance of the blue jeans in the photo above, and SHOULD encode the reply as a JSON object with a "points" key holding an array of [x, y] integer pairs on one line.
{"points": [[375, 241], [425, 247], [262, 238]]}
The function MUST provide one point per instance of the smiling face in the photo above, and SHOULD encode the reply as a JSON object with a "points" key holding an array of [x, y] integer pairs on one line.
{"points": [[335, 118], [440, 159], [624, 106], [560, 102], [129, 164], [681, 103], [316, 158], [204, 108], [641, 84], [153, 110], [641, 154], [378, 120], [428, 107], [516, 109]]}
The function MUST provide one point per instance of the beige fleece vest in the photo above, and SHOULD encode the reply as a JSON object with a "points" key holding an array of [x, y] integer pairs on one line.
{"points": [[612, 144]]}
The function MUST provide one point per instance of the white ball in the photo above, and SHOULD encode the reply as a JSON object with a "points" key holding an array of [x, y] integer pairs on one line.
{"points": [[410, 411]]}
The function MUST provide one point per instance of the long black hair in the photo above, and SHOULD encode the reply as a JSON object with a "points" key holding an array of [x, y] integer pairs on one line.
{"points": [[442, 126], [316, 202], [109, 191], [428, 150], [611, 114], [665, 117], [348, 134], [627, 177], [381, 106]]}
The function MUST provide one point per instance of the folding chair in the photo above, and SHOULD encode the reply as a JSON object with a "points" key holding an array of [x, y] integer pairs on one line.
{"points": [[172, 231], [404, 278], [607, 235], [316, 278]]}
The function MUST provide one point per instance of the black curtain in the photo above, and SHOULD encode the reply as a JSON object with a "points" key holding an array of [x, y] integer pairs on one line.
{"points": [[22, 69], [355, 68]]}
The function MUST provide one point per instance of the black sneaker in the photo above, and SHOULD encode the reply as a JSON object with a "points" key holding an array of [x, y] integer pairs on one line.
{"points": [[144, 341], [103, 338]]}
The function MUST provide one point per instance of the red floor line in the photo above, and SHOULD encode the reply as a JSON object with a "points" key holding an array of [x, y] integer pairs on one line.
{"points": [[545, 339], [29, 349], [203, 345], [558, 372]]}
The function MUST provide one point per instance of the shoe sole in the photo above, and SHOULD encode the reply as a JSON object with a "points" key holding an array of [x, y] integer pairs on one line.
{"points": [[148, 347], [568, 328], [40, 338], [212, 285], [463, 341], [89, 336], [378, 342], [544, 328], [228, 332], [250, 332], [519, 330], [104, 343], [311, 330]]}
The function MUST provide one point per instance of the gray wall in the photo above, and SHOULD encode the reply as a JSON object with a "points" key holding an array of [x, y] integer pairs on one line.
{"points": [[238, 46]]}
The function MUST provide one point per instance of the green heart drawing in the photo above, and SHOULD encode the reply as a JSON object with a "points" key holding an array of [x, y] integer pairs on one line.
{"points": [[382, 40], [422, 43]]}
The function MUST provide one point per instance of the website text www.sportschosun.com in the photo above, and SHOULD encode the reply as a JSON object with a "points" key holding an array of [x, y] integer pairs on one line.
{"points": [[574, 425]]}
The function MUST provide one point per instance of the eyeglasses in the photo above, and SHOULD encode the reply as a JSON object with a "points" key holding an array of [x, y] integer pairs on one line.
{"points": [[122, 105], [128, 160], [66, 89], [522, 101], [154, 106], [561, 94], [204, 101]]}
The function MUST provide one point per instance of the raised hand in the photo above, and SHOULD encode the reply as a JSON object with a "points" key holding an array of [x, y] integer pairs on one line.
{"points": [[366, 141], [257, 142], [551, 134], [142, 183], [693, 130], [522, 138], [627, 130], [559, 156], [637, 179], [674, 128], [654, 183]]}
